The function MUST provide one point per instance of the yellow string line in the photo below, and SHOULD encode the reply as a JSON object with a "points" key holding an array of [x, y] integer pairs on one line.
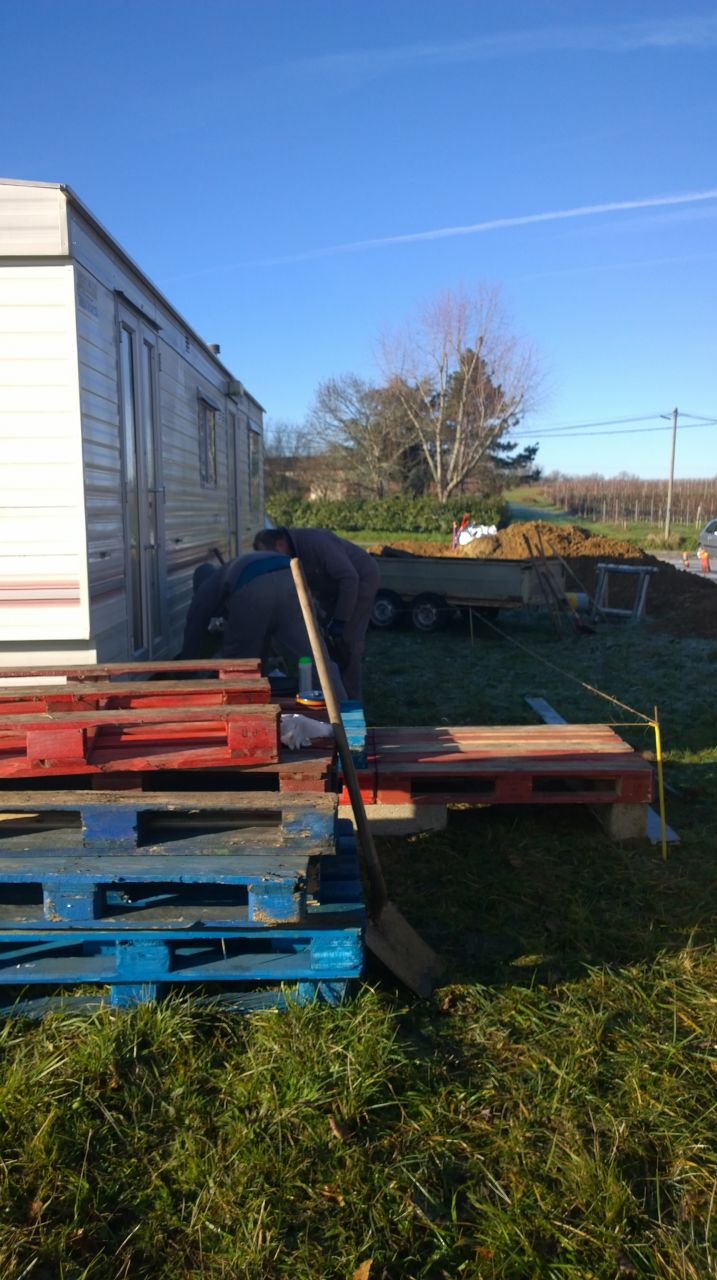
{"points": [[643, 722], [660, 786], [568, 674]]}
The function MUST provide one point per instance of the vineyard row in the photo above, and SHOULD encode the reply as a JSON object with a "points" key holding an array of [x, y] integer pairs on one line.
{"points": [[623, 499]]}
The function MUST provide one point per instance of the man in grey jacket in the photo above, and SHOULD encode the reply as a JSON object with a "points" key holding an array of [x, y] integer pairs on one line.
{"points": [[343, 577]]}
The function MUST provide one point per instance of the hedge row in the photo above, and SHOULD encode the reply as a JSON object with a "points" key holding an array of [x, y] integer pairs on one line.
{"points": [[391, 515]]}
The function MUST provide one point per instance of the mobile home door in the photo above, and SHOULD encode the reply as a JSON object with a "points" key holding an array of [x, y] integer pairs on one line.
{"points": [[143, 490]]}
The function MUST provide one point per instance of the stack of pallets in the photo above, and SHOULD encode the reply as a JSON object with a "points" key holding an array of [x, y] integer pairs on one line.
{"points": [[162, 836]]}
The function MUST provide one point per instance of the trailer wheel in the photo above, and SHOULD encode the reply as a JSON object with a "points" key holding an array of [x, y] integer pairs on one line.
{"points": [[429, 612], [387, 610], [487, 611]]}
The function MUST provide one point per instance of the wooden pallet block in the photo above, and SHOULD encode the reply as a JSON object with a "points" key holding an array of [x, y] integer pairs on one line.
{"points": [[128, 740], [313, 769]]}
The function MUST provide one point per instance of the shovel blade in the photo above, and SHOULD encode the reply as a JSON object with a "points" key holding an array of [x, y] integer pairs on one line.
{"points": [[397, 945]]}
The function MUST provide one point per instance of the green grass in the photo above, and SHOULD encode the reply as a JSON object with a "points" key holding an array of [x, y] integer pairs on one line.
{"points": [[551, 1112]]}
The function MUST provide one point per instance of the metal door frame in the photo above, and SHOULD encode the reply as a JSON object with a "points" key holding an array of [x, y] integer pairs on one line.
{"points": [[147, 437]]}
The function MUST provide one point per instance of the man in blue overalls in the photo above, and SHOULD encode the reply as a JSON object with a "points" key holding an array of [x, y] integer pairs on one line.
{"points": [[344, 579], [256, 595]]}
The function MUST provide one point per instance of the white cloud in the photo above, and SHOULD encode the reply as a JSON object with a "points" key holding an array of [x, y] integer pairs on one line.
{"points": [[698, 32]]}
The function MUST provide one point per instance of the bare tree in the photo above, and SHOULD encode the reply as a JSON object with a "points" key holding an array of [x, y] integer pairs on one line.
{"points": [[463, 380], [287, 450], [363, 430], [284, 439]]}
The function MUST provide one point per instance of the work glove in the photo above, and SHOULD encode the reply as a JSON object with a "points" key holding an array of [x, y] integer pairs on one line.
{"points": [[334, 629]]}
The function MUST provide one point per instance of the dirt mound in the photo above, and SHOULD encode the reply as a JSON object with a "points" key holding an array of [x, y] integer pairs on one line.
{"points": [[565, 539], [677, 601]]}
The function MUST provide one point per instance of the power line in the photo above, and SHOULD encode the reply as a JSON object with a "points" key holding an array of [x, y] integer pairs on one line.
{"points": [[568, 433], [605, 422], [576, 430], [705, 416]]}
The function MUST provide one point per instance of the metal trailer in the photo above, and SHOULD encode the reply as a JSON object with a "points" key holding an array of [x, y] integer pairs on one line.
{"points": [[428, 588], [128, 448]]}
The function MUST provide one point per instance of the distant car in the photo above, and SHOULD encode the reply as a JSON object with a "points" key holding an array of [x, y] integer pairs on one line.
{"points": [[708, 536]]}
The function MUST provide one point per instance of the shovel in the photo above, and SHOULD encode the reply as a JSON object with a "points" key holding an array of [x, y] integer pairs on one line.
{"points": [[388, 934]]}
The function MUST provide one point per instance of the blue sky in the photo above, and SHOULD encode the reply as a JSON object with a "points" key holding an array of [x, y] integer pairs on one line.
{"points": [[230, 145]]}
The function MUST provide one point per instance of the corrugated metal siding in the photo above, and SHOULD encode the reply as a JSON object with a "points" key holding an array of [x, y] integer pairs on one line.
{"points": [[99, 400], [195, 516], [43, 580], [32, 222]]}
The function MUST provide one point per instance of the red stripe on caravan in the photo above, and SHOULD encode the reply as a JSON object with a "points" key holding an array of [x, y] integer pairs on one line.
{"points": [[30, 592]]}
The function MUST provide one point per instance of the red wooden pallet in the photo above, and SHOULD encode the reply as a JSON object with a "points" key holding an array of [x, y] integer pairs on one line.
{"points": [[223, 668], [93, 741], [522, 764], [294, 771], [113, 695]]}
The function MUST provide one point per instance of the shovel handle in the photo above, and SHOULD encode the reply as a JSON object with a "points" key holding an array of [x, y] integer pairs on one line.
{"points": [[377, 884]]}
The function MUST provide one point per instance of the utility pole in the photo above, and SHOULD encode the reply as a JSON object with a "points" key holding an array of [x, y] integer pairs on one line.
{"points": [[668, 511]]}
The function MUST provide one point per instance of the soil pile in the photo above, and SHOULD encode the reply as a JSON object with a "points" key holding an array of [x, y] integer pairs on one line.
{"points": [[677, 601]]}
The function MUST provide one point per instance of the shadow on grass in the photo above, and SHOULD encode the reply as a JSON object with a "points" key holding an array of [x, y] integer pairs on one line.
{"points": [[537, 894]]}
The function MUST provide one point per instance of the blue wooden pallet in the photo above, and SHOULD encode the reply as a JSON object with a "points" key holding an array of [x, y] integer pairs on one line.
{"points": [[188, 889], [100, 859], [121, 819], [226, 998], [219, 939]]}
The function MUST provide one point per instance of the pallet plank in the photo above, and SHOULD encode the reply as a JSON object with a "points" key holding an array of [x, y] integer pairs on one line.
{"points": [[294, 954], [222, 668]]}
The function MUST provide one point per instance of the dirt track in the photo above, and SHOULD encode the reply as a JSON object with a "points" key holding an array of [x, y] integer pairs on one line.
{"points": [[679, 602]]}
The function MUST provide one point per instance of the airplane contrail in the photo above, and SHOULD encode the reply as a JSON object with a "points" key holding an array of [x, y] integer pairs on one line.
{"points": [[498, 224], [470, 229]]}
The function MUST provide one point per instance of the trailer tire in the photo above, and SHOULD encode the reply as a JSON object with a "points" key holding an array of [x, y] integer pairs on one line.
{"points": [[429, 612], [387, 610]]}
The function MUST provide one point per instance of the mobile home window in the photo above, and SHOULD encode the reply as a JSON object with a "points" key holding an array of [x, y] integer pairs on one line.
{"points": [[207, 444], [254, 468]]}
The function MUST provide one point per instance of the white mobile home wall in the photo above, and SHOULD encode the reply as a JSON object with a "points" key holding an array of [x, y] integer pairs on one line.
{"points": [[75, 312]]}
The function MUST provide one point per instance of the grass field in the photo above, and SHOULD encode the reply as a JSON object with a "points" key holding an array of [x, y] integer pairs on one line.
{"points": [[551, 1112]]}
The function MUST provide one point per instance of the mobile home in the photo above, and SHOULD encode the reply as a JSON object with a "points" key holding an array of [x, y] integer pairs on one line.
{"points": [[128, 452]]}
